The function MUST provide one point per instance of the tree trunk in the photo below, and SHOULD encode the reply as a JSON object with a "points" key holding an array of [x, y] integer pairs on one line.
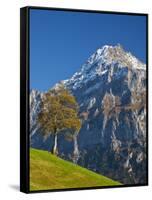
{"points": [[55, 148], [76, 150]]}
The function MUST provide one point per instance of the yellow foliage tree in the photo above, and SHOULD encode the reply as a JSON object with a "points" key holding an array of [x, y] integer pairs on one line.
{"points": [[59, 112]]}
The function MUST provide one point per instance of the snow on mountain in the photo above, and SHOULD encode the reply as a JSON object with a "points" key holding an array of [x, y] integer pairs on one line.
{"points": [[99, 63], [35, 100], [111, 91]]}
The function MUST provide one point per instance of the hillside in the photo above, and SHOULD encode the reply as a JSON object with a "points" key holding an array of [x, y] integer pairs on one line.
{"points": [[50, 172]]}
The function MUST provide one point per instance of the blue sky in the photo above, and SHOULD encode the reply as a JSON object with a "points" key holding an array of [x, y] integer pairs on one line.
{"points": [[60, 42]]}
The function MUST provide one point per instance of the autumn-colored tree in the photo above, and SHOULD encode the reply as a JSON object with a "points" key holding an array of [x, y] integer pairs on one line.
{"points": [[59, 112]]}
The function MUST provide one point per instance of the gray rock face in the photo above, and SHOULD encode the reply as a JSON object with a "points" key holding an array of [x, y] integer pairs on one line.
{"points": [[111, 91]]}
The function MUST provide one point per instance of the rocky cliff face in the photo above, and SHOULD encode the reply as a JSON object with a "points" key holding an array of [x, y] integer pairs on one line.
{"points": [[111, 91]]}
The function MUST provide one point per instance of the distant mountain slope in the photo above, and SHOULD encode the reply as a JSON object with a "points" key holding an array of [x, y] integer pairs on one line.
{"points": [[110, 88], [50, 172]]}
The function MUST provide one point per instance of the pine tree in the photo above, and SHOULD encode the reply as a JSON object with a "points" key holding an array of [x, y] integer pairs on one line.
{"points": [[59, 112]]}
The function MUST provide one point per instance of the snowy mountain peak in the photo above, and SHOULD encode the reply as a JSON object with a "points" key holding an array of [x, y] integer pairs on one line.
{"points": [[113, 54], [100, 62]]}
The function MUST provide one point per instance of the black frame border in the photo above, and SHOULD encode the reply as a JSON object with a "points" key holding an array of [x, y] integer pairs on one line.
{"points": [[25, 89]]}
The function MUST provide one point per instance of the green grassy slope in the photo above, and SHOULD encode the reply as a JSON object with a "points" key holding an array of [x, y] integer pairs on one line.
{"points": [[50, 172]]}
